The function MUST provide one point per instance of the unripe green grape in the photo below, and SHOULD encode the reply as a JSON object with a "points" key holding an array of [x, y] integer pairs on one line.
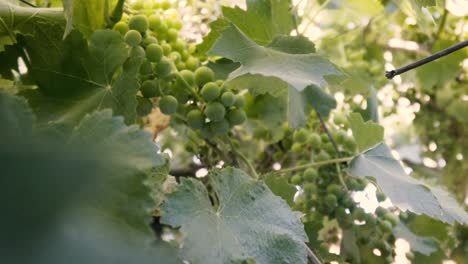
{"points": [[381, 197], [403, 215], [309, 188], [310, 174], [161, 31], [351, 183], [137, 52], [195, 119], [359, 214], [184, 55], [163, 67], [324, 138], [296, 148], [220, 127], [210, 91], [154, 22], [278, 156], [180, 66], [236, 117], [296, 179], [207, 132], [228, 99], [138, 23], [240, 101], [220, 83], [339, 119], [300, 136], [168, 104], [322, 156], [177, 24], [362, 184], [340, 213], [137, 5], [179, 45], [410, 255], [334, 189], [370, 220], [380, 211], [330, 200], [166, 48], [314, 140], [172, 34], [203, 75], [340, 136], [347, 201], [144, 106], [385, 226], [133, 38], [188, 76], [154, 52], [174, 56], [328, 147], [165, 4], [215, 111], [393, 219], [149, 89], [192, 63], [121, 27], [349, 144], [150, 40], [146, 68]]}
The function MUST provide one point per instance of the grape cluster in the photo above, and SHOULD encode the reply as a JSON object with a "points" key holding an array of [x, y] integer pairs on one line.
{"points": [[171, 72], [327, 190]]}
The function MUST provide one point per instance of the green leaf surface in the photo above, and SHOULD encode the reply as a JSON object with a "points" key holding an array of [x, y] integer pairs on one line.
{"points": [[405, 192], [280, 186], [367, 134], [371, 112], [16, 117], [245, 221], [263, 19], [349, 249], [91, 15], [292, 44], [423, 245]]}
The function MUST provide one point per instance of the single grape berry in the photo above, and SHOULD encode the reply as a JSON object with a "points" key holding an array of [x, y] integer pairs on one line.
{"points": [[236, 117], [228, 99], [381, 197], [359, 214], [168, 104], [391, 218], [133, 38], [188, 77], [154, 22], [203, 75], [220, 127], [309, 188], [210, 91], [154, 52], [121, 27], [296, 179], [300, 136], [163, 67], [195, 119], [144, 106], [240, 101], [178, 45], [296, 148], [310, 174], [150, 40], [166, 48], [146, 68], [138, 23], [380, 211], [385, 226], [330, 200], [339, 119], [334, 189], [149, 89], [215, 111], [192, 63], [172, 34], [137, 52]]}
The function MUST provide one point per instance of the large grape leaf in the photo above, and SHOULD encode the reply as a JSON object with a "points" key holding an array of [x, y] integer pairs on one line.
{"points": [[263, 19], [81, 200], [88, 15], [423, 245], [405, 192], [367, 134], [280, 186], [245, 220]]}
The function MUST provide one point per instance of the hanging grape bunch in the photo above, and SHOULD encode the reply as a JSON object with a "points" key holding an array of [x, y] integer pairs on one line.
{"points": [[186, 89]]}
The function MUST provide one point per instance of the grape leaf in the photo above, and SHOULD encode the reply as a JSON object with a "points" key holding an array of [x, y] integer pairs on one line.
{"points": [[263, 19], [245, 221], [405, 192], [423, 245], [91, 15], [371, 112], [349, 249], [16, 117], [280, 186], [367, 134], [68, 13]]}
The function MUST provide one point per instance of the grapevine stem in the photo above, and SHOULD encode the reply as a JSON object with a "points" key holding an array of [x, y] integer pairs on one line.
{"points": [[27, 3], [311, 256], [315, 164], [247, 162], [330, 137], [441, 25]]}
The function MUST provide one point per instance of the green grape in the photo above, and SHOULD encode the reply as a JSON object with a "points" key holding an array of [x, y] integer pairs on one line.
{"points": [[347, 201], [175, 56], [210, 91], [203, 75], [310, 174], [137, 6], [296, 179], [138, 23], [236, 117], [322, 156], [192, 63], [349, 144], [328, 147], [296, 148], [380, 211], [137, 52], [207, 132], [330, 200], [121, 27], [172, 35], [168, 104], [179, 45], [133, 38], [334, 189], [228, 99], [180, 66], [154, 52], [314, 140], [359, 214], [184, 55], [166, 48], [300, 136], [370, 220], [144, 106], [154, 22], [150, 40], [339, 119], [150, 89], [403, 215], [309, 188], [240, 101], [385, 226], [351, 183], [220, 127], [340, 136], [188, 76], [381, 197], [177, 24], [215, 111], [195, 119], [163, 67], [393, 219], [146, 68], [324, 138], [410, 255], [165, 4]]}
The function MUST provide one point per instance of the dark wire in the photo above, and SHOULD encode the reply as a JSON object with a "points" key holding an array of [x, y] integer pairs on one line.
{"points": [[27, 3], [435, 56]]}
